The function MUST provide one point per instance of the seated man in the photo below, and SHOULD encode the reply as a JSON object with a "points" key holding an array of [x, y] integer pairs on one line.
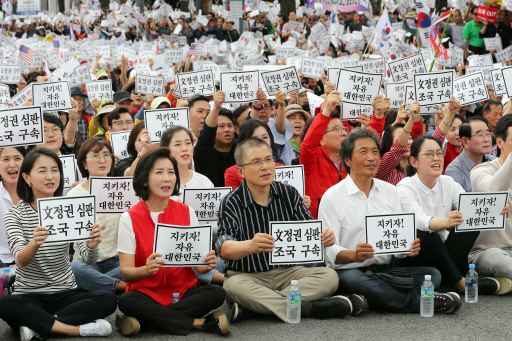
{"points": [[477, 141], [492, 252], [350, 256], [252, 284]]}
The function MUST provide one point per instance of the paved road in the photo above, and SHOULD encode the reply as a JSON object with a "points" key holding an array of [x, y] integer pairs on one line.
{"points": [[489, 319]]}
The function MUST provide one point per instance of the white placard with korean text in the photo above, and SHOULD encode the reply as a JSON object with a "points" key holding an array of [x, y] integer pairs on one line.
{"points": [[404, 69], [480, 60], [149, 85], [79, 76], [470, 89], [481, 211], [333, 72], [10, 74], [351, 111], [312, 67], [485, 70], [205, 201], [293, 176], [373, 65], [286, 80], [21, 126], [239, 86], [358, 87], [52, 96], [100, 90], [498, 84], [69, 169], [5, 96], [190, 83], [396, 93], [507, 78], [113, 194], [159, 120], [21, 97], [493, 43], [390, 233], [119, 141], [434, 87]]}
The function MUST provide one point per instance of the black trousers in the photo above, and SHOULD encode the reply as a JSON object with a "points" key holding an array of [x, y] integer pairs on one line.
{"points": [[177, 318], [450, 257], [476, 49], [73, 307]]}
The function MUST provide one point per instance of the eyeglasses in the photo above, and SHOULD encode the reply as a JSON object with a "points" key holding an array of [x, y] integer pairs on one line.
{"points": [[54, 130], [337, 129], [79, 99], [121, 123], [482, 135], [302, 95], [269, 160], [265, 106], [97, 157], [430, 154]]}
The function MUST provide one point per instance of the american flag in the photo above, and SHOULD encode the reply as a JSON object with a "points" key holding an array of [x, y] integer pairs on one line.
{"points": [[56, 46], [27, 54], [193, 50]]}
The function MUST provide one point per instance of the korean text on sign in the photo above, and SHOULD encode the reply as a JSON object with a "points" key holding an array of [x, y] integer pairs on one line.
{"points": [[100, 90], [470, 89], [390, 233], [68, 169], [159, 120], [113, 195], [149, 85], [67, 219], [239, 86], [433, 88], [196, 82], [293, 176], [312, 67], [52, 96], [296, 242], [5, 96], [182, 245], [396, 93], [286, 80], [119, 141], [205, 201], [358, 87], [481, 211], [10, 74], [21, 126], [404, 69]]}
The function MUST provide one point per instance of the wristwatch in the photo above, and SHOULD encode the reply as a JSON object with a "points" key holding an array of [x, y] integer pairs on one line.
{"points": [[256, 108]]}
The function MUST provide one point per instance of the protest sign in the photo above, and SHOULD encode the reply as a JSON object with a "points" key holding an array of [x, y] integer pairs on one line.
{"points": [[470, 89], [311, 67], [487, 13], [498, 84], [79, 76], [168, 74], [5, 96], [333, 72], [196, 82], [21, 97], [296, 242], [424, 109], [159, 120], [293, 176], [484, 69], [484, 59], [119, 140], [345, 63], [21, 126], [100, 90], [173, 56], [481, 211], [205, 201], [396, 93], [433, 88], [458, 55], [69, 171], [504, 55], [317, 33], [143, 70], [390, 233], [286, 80], [239, 86], [493, 43], [358, 87], [67, 219], [10, 74], [215, 69], [182, 245], [351, 111], [113, 194], [403, 69], [52, 96], [507, 78], [373, 65], [149, 85]]}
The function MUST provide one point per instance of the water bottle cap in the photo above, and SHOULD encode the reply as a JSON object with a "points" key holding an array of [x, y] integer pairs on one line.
{"points": [[295, 282], [428, 277], [176, 295], [7, 270], [471, 266]]}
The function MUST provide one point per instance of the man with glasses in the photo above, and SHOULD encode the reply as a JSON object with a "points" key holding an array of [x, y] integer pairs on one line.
{"points": [[492, 112], [477, 141], [120, 119], [253, 285], [261, 107], [83, 124]]}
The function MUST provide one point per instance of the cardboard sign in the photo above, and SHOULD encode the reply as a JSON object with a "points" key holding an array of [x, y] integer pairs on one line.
{"points": [[114, 195], [286, 80], [100, 90], [333, 72], [351, 111], [293, 176], [21, 126], [358, 87], [149, 85], [390, 233], [79, 76], [69, 171], [205, 201], [311, 67], [296, 242], [484, 59], [21, 97], [487, 13], [396, 93], [470, 89], [458, 55], [498, 84], [424, 109], [484, 69], [373, 65], [503, 56], [52, 96], [173, 56], [182, 245], [240, 86], [405, 68], [67, 219], [433, 88], [119, 140], [159, 120], [481, 211], [196, 82], [493, 43], [10, 74]]}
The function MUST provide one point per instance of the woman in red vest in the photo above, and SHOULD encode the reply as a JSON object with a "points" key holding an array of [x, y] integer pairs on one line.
{"points": [[150, 287]]}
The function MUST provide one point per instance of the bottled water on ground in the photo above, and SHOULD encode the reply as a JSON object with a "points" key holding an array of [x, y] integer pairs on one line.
{"points": [[427, 298], [293, 306], [471, 285]]}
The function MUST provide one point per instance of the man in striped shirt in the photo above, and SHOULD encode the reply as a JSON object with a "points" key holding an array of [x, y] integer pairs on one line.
{"points": [[253, 285]]}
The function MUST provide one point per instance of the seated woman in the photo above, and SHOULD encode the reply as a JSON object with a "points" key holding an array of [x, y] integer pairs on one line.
{"points": [[150, 286], [433, 198], [95, 158], [46, 299]]}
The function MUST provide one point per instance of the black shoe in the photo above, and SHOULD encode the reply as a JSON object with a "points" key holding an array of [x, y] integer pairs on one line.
{"points": [[488, 286], [336, 306], [240, 313], [359, 304], [447, 303], [216, 323]]}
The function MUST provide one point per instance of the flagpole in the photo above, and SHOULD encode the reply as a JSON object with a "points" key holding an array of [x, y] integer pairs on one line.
{"points": [[440, 42]]}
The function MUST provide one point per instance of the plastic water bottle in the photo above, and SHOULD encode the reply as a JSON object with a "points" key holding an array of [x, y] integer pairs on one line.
{"points": [[175, 297], [427, 298], [471, 285], [293, 303], [5, 281]]}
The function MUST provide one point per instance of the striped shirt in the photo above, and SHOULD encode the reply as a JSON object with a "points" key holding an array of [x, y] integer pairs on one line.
{"points": [[241, 218], [108, 246], [50, 270]]}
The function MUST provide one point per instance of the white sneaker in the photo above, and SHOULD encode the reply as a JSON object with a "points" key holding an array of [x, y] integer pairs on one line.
{"points": [[27, 334], [96, 328]]}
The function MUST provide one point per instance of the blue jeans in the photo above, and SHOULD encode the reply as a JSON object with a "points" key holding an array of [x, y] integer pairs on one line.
{"points": [[207, 277], [103, 275], [382, 295]]}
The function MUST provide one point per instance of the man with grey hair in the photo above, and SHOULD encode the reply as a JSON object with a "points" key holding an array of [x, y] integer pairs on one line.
{"points": [[253, 285], [353, 259]]}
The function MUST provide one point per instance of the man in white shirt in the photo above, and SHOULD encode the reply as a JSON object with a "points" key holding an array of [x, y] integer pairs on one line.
{"points": [[344, 207]]}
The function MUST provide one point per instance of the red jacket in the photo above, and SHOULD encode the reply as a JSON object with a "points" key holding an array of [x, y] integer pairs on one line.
{"points": [[167, 280], [450, 154]]}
